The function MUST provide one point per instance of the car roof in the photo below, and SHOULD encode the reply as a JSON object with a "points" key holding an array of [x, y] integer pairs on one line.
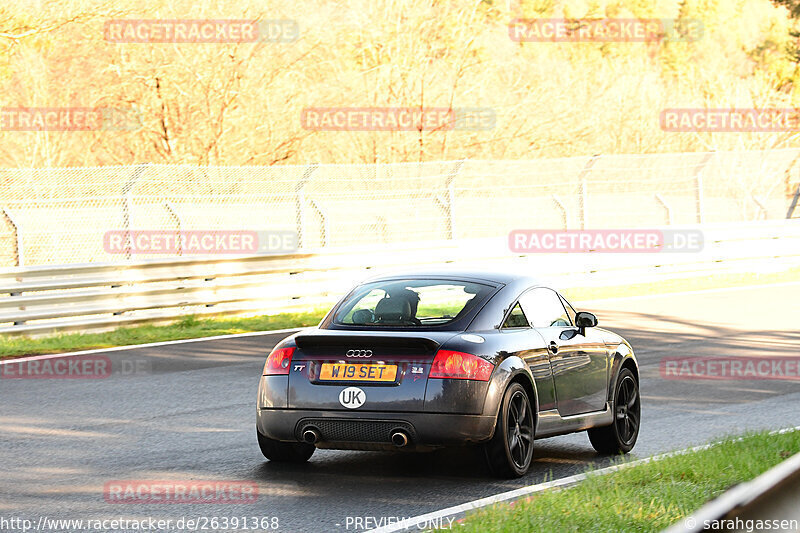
{"points": [[495, 276]]}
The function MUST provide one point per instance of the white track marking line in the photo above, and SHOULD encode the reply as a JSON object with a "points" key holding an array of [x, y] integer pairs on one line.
{"points": [[413, 522]]}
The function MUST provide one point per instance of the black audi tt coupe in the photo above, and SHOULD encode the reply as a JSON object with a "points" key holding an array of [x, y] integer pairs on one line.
{"points": [[425, 360]]}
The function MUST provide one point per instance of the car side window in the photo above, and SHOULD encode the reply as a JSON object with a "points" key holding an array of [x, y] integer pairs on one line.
{"points": [[544, 309], [516, 318]]}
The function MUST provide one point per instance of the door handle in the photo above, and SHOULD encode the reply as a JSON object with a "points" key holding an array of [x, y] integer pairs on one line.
{"points": [[553, 347]]}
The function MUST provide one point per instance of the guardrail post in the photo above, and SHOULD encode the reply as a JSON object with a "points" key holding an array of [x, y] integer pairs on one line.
{"points": [[790, 212], [19, 253], [19, 250], [761, 208], [127, 207], [450, 204], [666, 207], [300, 200], [698, 183], [324, 217], [173, 212], [563, 209], [787, 175], [383, 229], [582, 180]]}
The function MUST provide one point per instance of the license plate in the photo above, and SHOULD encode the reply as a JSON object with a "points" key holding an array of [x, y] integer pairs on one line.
{"points": [[357, 372]]}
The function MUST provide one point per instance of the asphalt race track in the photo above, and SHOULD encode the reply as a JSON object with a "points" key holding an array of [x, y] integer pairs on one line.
{"points": [[187, 412]]}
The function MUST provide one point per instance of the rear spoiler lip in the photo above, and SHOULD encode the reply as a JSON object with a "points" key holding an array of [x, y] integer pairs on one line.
{"points": [[356, 341]]}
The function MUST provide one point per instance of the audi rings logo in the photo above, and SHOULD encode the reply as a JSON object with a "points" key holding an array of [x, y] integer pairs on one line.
{"points": [[359, 353]]}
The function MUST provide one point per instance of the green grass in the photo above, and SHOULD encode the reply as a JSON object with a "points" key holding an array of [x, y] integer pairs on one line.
{"points": [[188, 327], [647, 497], [192, 327]]}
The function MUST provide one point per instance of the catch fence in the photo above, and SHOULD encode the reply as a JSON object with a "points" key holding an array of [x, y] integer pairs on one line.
{"points": [[61, 215]]}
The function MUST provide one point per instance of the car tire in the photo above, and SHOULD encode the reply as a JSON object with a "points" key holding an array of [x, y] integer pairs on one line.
{"points": [[620, 436], [510, 452], [286, 452]]}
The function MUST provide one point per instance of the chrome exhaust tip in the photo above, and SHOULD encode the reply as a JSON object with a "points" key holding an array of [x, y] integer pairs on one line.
{"points": [[399, 439], [311, 436]]}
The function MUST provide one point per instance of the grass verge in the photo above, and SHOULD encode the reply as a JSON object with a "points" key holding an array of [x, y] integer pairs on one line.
{"points": [[646, 497], [188, 327], [192, 327]]}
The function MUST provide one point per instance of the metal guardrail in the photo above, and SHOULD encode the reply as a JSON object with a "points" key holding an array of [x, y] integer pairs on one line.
{"points": [[91, 297], [769, 499]]}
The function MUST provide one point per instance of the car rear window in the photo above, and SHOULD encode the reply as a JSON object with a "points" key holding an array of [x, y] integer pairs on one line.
{"points": [[410, 303]]}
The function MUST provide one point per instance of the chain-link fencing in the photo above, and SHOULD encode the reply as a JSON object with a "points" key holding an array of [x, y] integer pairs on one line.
{"points": [[61, 215]]}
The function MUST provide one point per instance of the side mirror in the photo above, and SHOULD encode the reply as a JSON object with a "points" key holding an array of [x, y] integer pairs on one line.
{"points": [[584, 320]]}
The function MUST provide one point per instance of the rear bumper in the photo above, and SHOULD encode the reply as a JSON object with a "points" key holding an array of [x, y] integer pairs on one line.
{"points": [[371, 429]]}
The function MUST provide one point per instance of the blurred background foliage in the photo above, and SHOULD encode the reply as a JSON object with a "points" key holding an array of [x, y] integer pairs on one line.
{"points": [[240, 104]]}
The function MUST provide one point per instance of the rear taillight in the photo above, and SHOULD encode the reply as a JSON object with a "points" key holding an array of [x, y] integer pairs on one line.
{"points": [[460, 365], [278, 361]]}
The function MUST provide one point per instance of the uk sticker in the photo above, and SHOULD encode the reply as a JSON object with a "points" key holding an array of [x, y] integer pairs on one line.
{"points": [[352, 397]]}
